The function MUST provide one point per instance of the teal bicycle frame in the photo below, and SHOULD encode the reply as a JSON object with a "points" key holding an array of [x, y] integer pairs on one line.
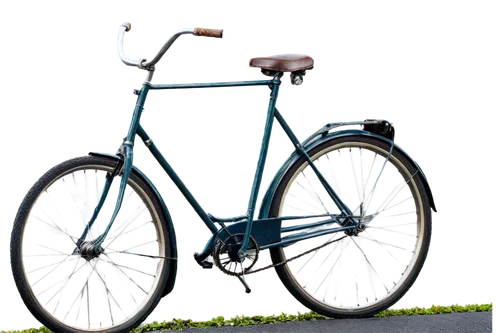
{"points": [[267, 232]]}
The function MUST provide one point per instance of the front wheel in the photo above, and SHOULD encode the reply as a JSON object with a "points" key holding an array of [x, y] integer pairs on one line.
{"points": [[71, 291], [363, 272]]}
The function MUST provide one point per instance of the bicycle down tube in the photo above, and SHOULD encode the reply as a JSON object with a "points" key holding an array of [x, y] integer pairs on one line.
{"points": [[248, 218]]}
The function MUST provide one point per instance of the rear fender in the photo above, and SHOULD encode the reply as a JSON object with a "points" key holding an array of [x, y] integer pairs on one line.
{"points": [[315, 141]]}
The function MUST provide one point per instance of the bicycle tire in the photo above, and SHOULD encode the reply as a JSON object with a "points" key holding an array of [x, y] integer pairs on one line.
{"points": [[145, 305], [289, 276]]}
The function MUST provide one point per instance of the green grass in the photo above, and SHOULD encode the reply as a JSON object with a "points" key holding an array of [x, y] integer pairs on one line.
{"points": [[179, 324]]}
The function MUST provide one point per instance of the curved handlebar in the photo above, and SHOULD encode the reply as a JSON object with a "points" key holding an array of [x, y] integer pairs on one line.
{"points": [[142, 63]]}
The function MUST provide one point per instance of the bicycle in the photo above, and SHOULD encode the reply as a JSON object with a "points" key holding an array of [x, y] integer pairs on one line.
{"points": [[347, 220]]}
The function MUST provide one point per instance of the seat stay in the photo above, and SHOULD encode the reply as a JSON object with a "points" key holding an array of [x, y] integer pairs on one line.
{"points": [[300, 149]]}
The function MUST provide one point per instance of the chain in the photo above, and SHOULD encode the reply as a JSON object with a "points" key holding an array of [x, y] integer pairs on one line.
{"points": [[293, 258]]}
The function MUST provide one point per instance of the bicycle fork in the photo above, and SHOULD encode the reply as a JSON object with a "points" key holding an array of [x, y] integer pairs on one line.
{"points": [[124, 167]]}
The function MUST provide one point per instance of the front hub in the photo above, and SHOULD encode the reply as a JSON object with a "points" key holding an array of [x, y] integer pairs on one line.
{"points": [[88, 251]]}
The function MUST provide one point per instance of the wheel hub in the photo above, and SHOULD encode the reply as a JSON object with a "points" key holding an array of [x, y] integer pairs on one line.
{"points": [[89, 251], [363, 222]]}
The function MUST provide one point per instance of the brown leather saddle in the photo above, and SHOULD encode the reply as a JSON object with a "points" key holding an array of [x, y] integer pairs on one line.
{"points": [[283, 62]]}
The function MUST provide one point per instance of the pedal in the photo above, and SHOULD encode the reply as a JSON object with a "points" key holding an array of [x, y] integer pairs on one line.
{"points": [[203, 263], [242, 280]]}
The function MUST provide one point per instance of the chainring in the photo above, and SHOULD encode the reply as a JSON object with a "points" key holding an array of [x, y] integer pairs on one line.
{"points": [[226, 255]]}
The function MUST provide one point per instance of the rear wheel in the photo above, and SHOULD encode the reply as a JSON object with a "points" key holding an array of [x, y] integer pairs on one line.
{"points": [[364, 272], [68, 291]]}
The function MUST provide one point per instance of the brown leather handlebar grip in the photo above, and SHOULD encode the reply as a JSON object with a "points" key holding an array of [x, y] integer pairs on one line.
{"points": [[217, 33]]}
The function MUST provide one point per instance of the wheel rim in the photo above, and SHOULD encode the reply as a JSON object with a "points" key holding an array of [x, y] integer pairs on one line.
{"points": [[105, 291], [357, 272]]}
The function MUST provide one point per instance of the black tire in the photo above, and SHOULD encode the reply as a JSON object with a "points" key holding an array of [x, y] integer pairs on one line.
{"points": [[105, 299], [299, 290]]}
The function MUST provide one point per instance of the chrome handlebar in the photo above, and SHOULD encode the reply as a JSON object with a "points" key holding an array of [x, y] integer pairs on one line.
{"points": [[144, 63]]}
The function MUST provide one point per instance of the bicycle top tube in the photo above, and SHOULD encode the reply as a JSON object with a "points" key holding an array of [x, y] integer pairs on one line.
{"points": [[149, 65]]}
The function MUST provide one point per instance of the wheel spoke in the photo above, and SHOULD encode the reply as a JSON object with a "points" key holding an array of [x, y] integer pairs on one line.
{"points": [[386, 203], [75, 199], [142, 255], [86, 189], [107, 293], [312, 206], [55, 229], [355, 172], [389, 230], [364, 186], [87, 303], [37, 269], [97, 190], [42, 265], [315, 253], [81, 290], [83, 206], [61, 219], [52, 249], [65, 282], [385, 243], [371, 269], [83, 214], [133, 231], [130, 194], [382, 208], [100, 190], [114, 265], [75, 194], [357, 290], [86, 207], [334, 176], [139, 271], [304, 266], [75, 180], [401, 213], [113, 239], [136, 245], [374, 187], [313, 193], [38, 281], [333, 265]]}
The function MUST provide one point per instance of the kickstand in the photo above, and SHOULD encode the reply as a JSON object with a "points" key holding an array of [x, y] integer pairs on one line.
{"points": [[242, 280]]}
